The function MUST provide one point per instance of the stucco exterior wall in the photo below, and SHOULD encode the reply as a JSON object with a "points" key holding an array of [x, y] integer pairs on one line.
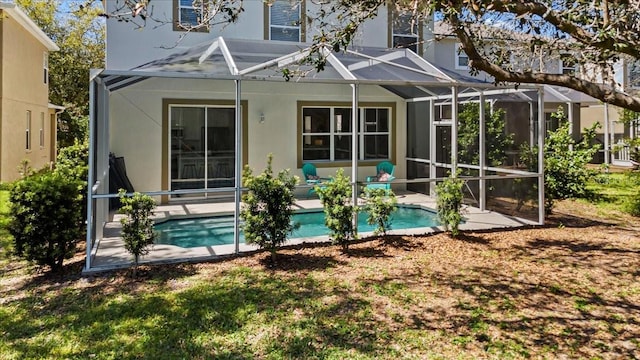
{"points": [[23, 89], [596, 113], [135, 115], [128, 47]]}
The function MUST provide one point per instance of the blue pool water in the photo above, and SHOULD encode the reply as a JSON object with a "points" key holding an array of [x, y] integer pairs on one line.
{"points": [[218, 230]]}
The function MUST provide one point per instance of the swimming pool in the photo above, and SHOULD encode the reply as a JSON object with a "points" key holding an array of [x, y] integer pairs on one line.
{"points": [[218, 230]]}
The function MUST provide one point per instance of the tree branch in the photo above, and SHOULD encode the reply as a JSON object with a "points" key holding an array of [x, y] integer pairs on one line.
{"points": [[598, 91]]}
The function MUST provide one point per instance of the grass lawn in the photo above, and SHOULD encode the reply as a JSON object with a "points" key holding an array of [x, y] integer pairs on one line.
{"points": [[614, 192], [567, 290]]}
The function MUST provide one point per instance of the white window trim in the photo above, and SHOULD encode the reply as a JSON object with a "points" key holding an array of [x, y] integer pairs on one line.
{"points": [[395, 34], [361, 135], [562, 68], [191, 7], [288, 27], [459, 53]]}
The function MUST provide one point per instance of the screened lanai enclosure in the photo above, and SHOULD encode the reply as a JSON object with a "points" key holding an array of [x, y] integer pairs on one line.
{"points": [[186, 125]]}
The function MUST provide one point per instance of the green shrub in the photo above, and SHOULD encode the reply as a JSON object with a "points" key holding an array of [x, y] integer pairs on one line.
{"points": [[268, 207], [380, 203], [45, 218], [339, 210], [565, 162], [137, 227], [73, 162], [448, 203]]}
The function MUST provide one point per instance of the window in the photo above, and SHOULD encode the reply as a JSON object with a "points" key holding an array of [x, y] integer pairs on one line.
{"points": [[633, 75], [45, 65], [403, 31], [284, 19], [461, 58], [187, 14], [41, 129], [568, 66], [28, 131], [326, 133]]}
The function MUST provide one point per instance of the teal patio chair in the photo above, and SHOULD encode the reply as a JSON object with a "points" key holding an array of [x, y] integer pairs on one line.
{"points": [[311, 177], [384, 169]]}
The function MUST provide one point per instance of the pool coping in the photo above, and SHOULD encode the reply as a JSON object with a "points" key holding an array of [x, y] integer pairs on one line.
{"points": [[109, 253]]}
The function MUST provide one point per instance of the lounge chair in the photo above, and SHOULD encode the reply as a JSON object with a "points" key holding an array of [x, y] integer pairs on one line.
{"points": [[311, 177], [384, 176]]}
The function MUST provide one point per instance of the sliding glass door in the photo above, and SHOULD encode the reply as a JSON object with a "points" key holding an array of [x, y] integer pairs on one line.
{"points": [[202, 147]]}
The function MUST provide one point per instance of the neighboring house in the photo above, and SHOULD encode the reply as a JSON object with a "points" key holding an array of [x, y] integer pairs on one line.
{"points": [[27, 120], [443, 49]]}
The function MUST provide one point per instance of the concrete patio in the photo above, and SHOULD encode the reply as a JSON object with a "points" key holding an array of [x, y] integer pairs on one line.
{"points": [[110, 253]]}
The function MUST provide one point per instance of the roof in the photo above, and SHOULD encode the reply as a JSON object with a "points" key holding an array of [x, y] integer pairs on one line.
{"points": [[19, 16]]}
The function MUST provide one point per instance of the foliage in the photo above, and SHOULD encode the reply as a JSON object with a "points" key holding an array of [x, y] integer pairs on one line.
{"points": [[448, 203], [380, 203], [339, 209], [632, 206], [46, 218], [137, 227], [565, 172], [497, 141], [268, 207], [72, 127], [73, 162], [631, 183], [80, 35]]}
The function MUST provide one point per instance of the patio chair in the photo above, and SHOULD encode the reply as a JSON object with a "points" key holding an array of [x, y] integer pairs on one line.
{"points": [[311, 177], [384, 176]]}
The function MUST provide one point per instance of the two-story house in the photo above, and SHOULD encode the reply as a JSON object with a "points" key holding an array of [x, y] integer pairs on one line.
{"points": [[187, 113], [172, 98], [27, 121]]}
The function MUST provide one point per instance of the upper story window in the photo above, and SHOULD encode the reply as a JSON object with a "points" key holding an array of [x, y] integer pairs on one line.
{"points": [[568, 65], [285, 20], [633, 75], [461, 58], [404, 31], [188, 14], [45, 66]]}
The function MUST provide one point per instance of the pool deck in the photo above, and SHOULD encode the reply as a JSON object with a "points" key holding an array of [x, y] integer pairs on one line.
{"points": [[110, 253]]}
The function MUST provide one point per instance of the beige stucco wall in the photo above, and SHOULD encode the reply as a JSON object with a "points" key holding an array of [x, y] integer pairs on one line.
{"points": [[135, 115], [23, 89], [596, 113]]}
